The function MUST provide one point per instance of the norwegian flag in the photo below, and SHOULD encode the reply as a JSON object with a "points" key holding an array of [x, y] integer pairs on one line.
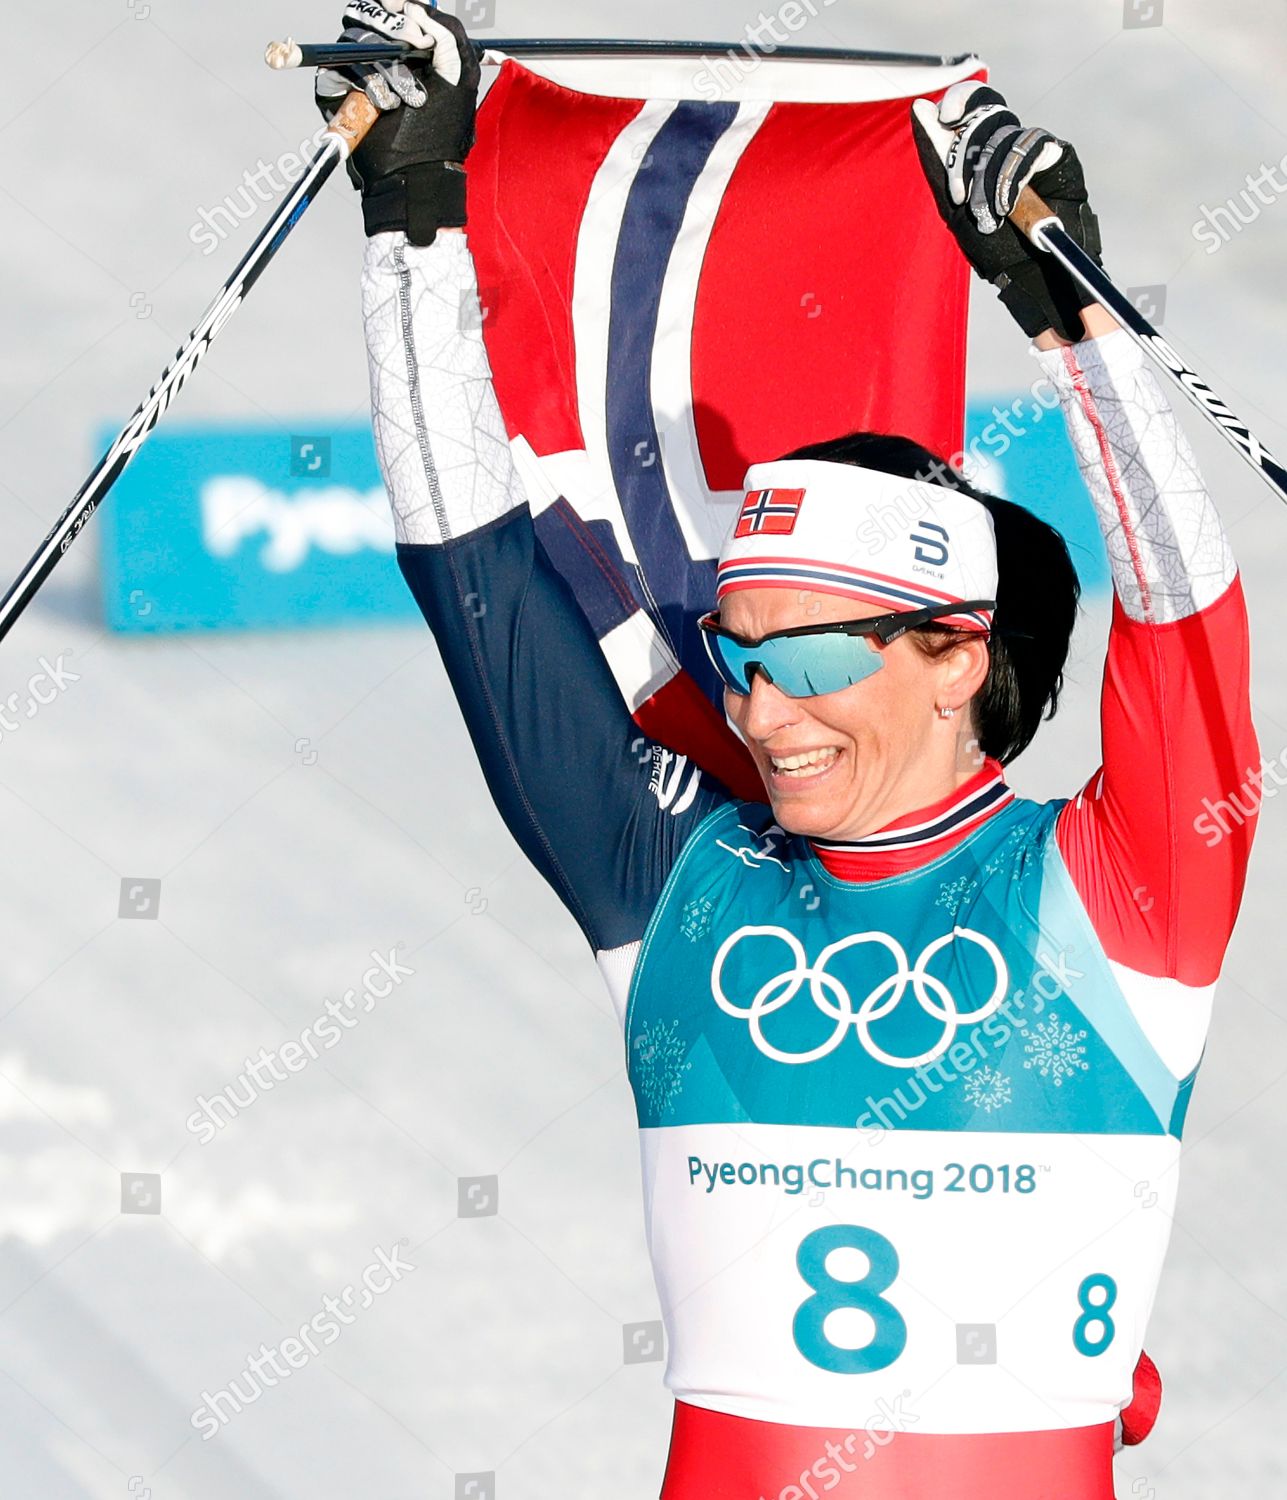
{"points": [[678, 287], [769, 513]]}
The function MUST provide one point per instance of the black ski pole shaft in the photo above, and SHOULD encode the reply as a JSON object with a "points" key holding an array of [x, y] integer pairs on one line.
{"points": [[289, 54], [1042, 226], [292, 54], [350, 125]]}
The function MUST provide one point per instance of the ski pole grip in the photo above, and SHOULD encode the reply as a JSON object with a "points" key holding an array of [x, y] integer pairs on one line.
{"points": [[353, 120], [1030, 213]]}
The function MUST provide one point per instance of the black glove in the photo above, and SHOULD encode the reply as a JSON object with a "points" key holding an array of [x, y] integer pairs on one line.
{"points": [[978, 159], [410, 167]]}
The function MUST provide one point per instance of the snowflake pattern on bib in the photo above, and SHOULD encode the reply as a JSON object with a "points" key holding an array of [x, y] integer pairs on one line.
{"points": [[987, 1089], [1055, 1050], [954, 893], [695, 919], [1005, 853], [662, 1064]]}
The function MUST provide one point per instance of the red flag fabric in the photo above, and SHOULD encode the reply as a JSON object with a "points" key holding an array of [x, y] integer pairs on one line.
{"points": [[675, 288]]}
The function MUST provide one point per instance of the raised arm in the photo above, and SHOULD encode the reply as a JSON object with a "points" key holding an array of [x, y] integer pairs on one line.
{"points": [[1156, 861], [599, 811], [1157, 849]]}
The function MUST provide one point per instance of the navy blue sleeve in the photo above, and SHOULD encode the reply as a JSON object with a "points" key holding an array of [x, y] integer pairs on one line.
{"points": [[599, 810]]}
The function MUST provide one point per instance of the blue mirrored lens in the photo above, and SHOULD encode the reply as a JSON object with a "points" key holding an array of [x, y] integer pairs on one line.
{"points": [[803, 666]]}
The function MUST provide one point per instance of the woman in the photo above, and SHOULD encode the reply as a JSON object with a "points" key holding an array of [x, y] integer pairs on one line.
{"points": [[911, 1055]]}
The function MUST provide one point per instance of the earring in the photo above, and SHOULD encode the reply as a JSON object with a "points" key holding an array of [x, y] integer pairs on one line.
{"points": [[947, 713]]}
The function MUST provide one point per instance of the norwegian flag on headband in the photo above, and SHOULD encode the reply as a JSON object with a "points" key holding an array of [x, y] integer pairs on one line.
{"points": [[769, 513], [679, 283]]}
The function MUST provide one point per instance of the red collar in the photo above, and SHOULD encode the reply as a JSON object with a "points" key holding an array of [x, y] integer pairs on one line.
{"points": [[919, 837]]}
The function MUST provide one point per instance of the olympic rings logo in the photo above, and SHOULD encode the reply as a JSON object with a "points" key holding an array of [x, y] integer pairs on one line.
{"points": [[834, 1001]]}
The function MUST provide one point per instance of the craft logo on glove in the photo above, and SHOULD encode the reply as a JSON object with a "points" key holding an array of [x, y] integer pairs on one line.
{"points": [[370, 9]]}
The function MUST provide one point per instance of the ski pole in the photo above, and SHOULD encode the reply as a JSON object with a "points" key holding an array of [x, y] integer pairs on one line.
{"points": [[291, 54], [1041, 224], [345, 133]]}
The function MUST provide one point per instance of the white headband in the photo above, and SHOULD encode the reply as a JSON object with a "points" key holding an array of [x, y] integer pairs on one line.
{"points": [[831, 528]]}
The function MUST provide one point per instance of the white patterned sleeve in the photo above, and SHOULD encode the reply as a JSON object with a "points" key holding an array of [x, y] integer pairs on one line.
{"points": [[439, 433], [1168, 551], [1175, 711]]}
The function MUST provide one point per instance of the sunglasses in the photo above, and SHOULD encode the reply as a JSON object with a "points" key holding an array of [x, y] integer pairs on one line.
{"points": [[815, 659]]}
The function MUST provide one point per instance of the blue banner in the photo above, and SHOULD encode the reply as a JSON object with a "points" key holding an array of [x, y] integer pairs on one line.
{"points": [[214, 528], [1018, 448]]}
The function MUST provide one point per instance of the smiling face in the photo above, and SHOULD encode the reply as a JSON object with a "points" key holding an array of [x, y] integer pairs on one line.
{"points": [[842, 765]]}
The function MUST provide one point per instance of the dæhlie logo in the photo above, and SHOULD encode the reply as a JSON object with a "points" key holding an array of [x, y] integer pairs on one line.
{"points": [[931, 543]]}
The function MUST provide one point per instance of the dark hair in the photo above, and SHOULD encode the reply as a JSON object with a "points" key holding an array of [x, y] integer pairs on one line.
{"points": [[1037, 595]]}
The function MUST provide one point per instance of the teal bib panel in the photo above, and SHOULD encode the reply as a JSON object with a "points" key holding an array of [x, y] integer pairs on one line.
{"points": [[970, 995]]}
